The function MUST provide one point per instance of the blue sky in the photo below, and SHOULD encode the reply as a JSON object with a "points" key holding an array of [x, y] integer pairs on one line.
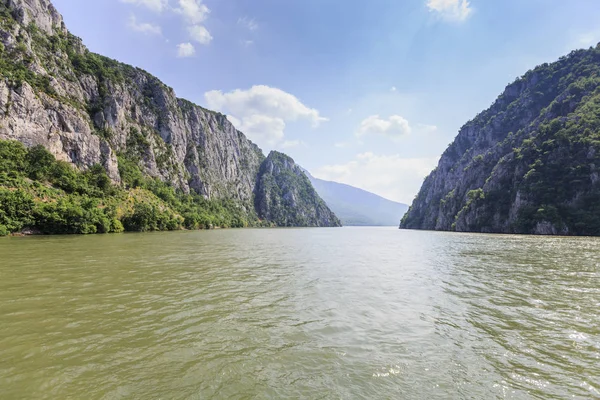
{"points": [[364, 93]]}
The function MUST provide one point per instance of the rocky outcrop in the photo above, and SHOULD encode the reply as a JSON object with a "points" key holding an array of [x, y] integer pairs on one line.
{"points": [[285, 195], [40, 12], [88, 109], [528, 164]]}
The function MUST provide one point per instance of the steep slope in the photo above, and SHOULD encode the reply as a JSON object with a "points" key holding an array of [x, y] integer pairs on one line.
{"points": [[87, 109], [357, 207], [284, 195], [528, 164]]}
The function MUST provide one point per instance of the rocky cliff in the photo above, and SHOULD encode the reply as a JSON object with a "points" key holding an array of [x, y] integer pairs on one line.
{"points": [[285, 195], [87, 109], [528, 164]]}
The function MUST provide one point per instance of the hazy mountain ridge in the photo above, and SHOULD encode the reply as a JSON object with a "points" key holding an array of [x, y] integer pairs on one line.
{"points": [[358, 207], [87, 109], [529, 163]]}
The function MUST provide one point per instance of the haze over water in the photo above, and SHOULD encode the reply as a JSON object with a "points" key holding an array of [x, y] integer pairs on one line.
{"points": [[346, 313]]}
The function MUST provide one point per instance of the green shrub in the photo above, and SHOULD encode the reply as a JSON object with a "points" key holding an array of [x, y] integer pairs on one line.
{"points": [[39, 192], [16, 208], [39, 163], [116, 226]]}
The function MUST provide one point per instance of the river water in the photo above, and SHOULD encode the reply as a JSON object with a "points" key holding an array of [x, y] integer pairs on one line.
{"points": [[350, 313]]}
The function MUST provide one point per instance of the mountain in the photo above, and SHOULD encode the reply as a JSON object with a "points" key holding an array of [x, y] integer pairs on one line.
{"points": [[528, 164], [89, 110], [357, 207], [285, 195]]}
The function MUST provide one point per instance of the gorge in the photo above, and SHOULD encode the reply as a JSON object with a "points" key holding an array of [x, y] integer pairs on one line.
{"points": [[157, 150]]}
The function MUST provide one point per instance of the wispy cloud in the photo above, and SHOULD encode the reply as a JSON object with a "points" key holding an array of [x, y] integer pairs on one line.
{"points": [[193, 14], [341, 145], [248, 23], [424, 128], [288, 144], [587, 39], [154, 5], [453, 10], [143, 27], [393, 127]]}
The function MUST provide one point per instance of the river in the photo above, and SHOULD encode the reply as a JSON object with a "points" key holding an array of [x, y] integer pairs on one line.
{"points": [[350, 313]]}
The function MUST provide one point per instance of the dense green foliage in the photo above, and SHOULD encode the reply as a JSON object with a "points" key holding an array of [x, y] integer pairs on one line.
{"points": [[43, 195], [285, 195], [560, 157], [539, 147]]}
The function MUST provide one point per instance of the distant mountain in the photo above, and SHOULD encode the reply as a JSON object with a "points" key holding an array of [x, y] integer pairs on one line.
{"points": [[357, 207]]}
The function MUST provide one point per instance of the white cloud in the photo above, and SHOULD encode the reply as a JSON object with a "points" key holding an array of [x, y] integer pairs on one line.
{"points": [[262, 112], [185, 50], [263, 100], [394, 127], [264, 128], [247, 43], [235, 121], [154, 5], [261, 129], [200, 34], [390, 176], [194, 11], [453, 10], [248, 23], [393, 89], [143, 27]]}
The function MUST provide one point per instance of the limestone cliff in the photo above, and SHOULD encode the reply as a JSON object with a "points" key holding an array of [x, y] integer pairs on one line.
{"points": [[285, 195], [87, 109], [528, 164]]}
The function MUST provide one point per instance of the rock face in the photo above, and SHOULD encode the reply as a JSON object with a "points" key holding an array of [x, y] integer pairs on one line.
{"points": [[528, 164], [88, 109], [40, 12], [285, 195]]}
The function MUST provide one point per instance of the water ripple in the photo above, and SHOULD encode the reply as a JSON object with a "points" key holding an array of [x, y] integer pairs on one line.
{"points": [[300, 313]]}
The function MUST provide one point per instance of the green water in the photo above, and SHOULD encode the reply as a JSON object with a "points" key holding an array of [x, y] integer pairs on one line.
{"points": [[349, 313]]}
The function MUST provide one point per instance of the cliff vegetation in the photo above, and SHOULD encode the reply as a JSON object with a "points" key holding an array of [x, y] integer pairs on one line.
{"points": [[528, 164], [168, 162]]}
